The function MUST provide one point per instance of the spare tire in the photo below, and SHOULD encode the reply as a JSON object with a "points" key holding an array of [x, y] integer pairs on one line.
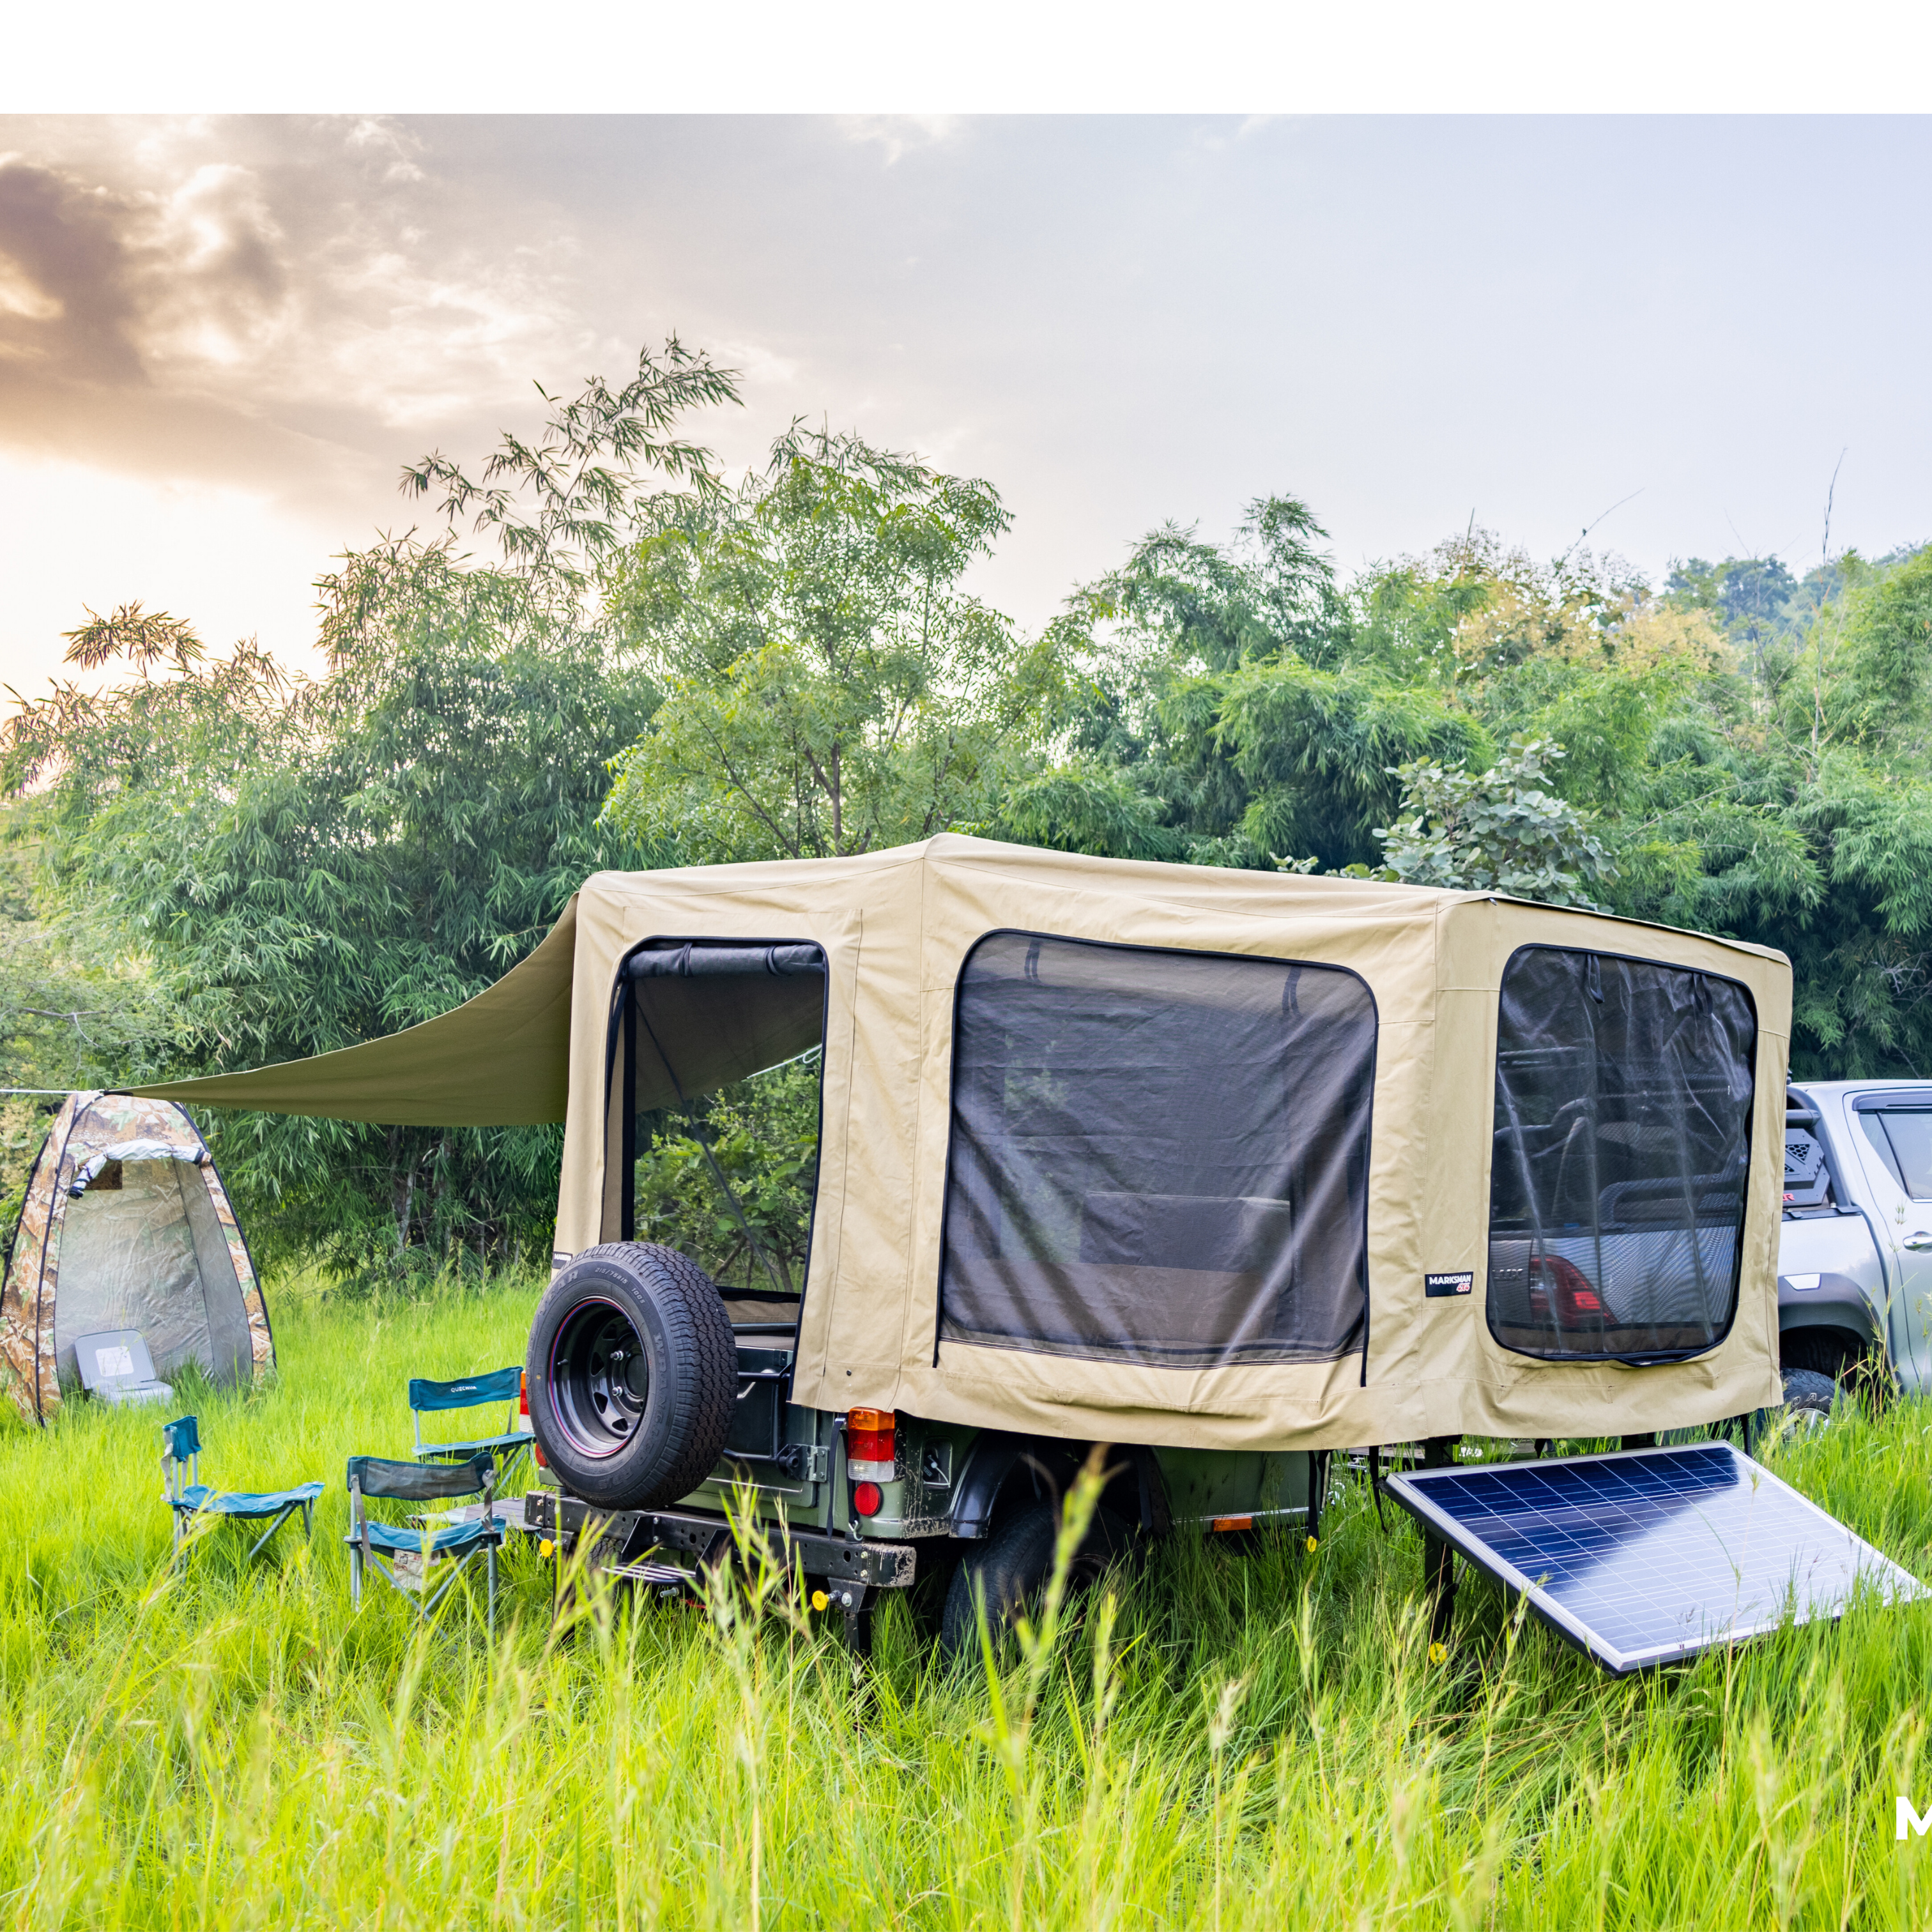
{"points": [[633, 1371]]}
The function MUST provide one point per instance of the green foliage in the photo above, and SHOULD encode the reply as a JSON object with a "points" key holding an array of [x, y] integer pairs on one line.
{"points": [[560, 507], [1318, 750], [1194, 605], [79, 1007], [763, 1134], [1745, 753], [1496, 831], [300, 866], [1226, 719], [403, 832], [1085, 804], [829, 688], [216, 866]]}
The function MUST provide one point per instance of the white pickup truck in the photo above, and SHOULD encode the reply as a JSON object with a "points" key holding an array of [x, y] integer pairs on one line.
{"points": [[1855, 1255]]}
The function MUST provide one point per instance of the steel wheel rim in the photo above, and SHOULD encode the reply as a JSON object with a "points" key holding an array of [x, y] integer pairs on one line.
{"points": [[600, 1378]]}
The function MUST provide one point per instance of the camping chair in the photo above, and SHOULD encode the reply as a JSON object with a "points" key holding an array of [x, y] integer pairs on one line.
{"points": [[387, 1545], [181, 1453], [428, 1398], [115, 1366]]}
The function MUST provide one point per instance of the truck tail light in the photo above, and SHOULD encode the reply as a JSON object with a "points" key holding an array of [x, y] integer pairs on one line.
{"points": [[523, 1416], [868, 1499], [868, 1445], [1554, 1280]]}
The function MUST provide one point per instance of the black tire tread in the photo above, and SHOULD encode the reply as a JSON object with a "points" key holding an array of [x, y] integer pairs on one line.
{"points": [[1807, 1388], [701, 1335], [1014, 1564]]}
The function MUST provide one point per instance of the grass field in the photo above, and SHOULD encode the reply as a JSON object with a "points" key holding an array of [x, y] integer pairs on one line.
{"points": [[1225, 1739]]}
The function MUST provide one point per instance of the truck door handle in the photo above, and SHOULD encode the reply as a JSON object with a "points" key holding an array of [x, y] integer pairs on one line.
{"points": [[1919, 1242]]}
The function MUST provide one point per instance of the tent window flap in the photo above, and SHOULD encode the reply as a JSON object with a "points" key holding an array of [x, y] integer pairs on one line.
{"points": [[1157, 1156], [1623, 1106]]}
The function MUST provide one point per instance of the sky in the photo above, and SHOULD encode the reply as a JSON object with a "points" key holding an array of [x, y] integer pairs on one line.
{"points": [[221, 338]]}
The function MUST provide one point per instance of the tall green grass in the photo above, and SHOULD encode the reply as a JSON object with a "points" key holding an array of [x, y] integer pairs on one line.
{"points": [[1228, 1738]]}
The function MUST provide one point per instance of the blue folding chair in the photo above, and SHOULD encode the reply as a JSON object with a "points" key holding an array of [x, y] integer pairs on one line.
{"points": [[385, 1544], [506, 1385], [181, 1455]]}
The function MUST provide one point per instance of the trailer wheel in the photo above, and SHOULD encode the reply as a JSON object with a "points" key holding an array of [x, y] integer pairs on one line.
{"points": [[633, 1370], [1010, 1569]]}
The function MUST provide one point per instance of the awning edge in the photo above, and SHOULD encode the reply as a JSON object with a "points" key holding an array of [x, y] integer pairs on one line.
{"points": [[500, 1059]]}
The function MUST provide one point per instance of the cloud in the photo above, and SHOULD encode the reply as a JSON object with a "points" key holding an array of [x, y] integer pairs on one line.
{"points": [[19, 295], [899, 134], [71, 306], [378, 134], [756, 363], [184, 302]]}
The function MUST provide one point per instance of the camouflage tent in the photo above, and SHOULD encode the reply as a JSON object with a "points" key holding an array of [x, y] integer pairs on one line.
{"points": [[127, 1225]]}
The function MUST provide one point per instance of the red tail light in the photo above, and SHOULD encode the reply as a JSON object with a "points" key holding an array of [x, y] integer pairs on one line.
{"points": [[868, 1499], [1560, 1286], [869, 1445]]}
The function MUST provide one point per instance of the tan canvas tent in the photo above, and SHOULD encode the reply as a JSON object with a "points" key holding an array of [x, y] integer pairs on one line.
{"points": [[127, 1227], [1176, 1155]]}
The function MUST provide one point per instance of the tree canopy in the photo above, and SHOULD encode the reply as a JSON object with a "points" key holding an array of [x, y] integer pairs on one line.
{"points": [[300, 864], [829, 687], [214, 864]]}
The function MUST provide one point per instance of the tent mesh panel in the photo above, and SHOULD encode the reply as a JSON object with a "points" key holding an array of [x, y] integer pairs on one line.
{"points": [[1623, 1092], [1158, 1157]]}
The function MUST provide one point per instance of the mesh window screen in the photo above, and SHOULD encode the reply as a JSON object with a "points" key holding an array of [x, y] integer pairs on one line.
{"points": [[1157, 1157], [1622, 1148]]}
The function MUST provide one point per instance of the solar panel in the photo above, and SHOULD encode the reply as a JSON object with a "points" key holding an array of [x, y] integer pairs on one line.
{"points": [[1647, 1555]]}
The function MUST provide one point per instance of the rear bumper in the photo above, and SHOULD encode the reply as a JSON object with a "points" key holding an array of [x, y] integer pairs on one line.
{"points": [[683, 1542]]}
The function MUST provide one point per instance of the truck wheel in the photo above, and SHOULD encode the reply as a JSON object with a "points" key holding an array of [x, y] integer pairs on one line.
{"points": [[1010, 1569], [633, 1368], [1808, 1397]]}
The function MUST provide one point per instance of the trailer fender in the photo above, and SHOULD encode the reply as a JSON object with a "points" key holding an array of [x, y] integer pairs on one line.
{"points": [[1137, 1491], [989, 1462]]}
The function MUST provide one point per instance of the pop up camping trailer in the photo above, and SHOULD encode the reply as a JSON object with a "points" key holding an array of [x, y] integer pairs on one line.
{"points": [[1127, 1151], [1223, 1170], [126, 1237]]}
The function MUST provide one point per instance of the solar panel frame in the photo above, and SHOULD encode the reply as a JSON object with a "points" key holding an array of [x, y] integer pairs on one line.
{"points": [[1423, 1492]]}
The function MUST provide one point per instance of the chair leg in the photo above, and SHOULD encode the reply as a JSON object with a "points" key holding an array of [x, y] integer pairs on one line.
{"points": [[262, 1541], [385, 1568], [354, 1576], [429, 1601], [490, 1567]]}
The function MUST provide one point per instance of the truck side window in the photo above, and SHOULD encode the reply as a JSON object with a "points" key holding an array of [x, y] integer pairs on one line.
{"points": [[1159, 1157], [1617, 1182], [1904, 1142]]}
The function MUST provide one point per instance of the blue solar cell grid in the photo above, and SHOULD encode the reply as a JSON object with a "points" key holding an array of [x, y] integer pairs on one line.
{"points": [[1651, 1554]]}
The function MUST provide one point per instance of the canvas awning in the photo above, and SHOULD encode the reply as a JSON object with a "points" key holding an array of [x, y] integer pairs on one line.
{"points": [[501, 1060]]}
